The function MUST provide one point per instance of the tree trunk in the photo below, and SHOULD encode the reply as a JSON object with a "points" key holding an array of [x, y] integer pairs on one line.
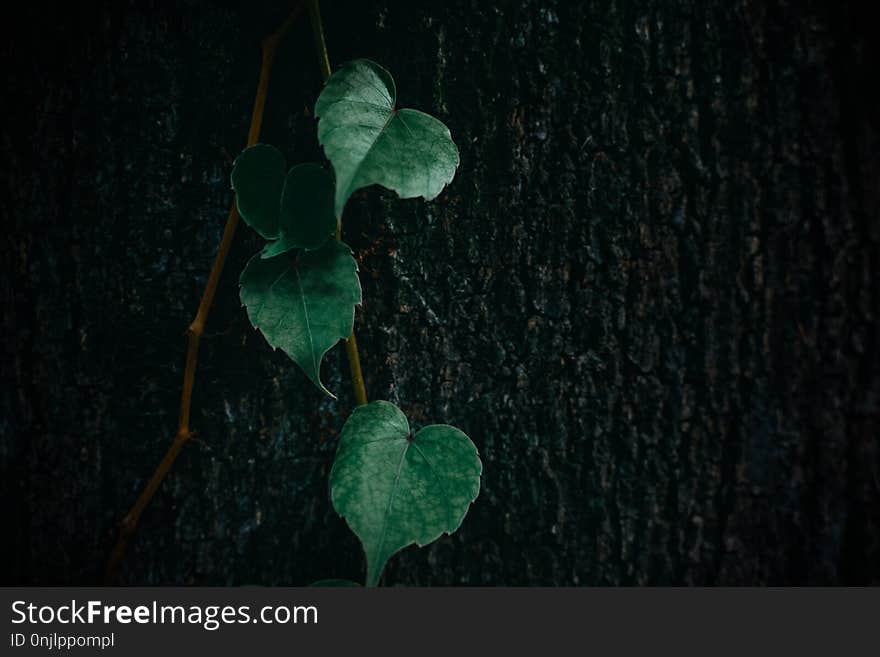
{"points": [[649, 295]]}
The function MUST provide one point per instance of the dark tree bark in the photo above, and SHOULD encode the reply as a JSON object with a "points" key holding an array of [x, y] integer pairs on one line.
{"points": [[649, 296]]}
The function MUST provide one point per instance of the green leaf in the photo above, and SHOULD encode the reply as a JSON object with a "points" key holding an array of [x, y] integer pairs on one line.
{"points": [[394, 488], [369, 141], [335, 582], [258, 180], [307, 219], [296, 208], [303, 303]]}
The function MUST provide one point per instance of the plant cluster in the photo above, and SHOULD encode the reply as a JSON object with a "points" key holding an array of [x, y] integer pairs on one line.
{"points": [[393, 487]]}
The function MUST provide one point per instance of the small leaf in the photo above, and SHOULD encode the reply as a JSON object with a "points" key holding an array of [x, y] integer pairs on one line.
{"points": [[258, 180], [394, 488], [369, 141], [307, 218], [303, 304], [335, 582]]}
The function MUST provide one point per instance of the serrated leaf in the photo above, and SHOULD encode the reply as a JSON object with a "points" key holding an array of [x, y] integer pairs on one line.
{"points": [[369, 141], [395, 489], [258, 180], [303, 303], [307, 219]]}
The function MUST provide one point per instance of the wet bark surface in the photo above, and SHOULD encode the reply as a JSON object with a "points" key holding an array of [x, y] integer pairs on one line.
{"points": [[649, 295]]}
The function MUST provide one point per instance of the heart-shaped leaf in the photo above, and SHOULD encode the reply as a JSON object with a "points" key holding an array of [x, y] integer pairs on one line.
{"points": [[303, 303], [306, 220], [394, 488], [258, 181], [296, 208], [369, 141]]}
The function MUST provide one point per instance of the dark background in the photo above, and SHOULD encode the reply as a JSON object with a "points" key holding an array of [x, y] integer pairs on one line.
{"points": [[648, 296]]}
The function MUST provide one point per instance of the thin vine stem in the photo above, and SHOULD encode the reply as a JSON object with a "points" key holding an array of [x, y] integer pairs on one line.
{"points": [[320, 43], [351, 349], [194, 332]]}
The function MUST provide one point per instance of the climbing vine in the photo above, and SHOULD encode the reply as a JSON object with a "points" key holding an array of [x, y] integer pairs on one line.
{"points": [[394, 487]]}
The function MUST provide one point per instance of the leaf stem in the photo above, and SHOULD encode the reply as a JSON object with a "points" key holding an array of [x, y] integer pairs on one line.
{"points": [[320, 44], [351, 349], [194, 332]]}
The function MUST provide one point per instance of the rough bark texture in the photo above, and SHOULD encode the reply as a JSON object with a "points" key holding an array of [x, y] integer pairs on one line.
{"points": [[649, 296]]}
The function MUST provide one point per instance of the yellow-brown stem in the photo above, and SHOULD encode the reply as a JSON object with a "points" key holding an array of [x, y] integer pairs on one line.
{"points": [[354, 362], [194, 333], [351, 349], [320, 44]]}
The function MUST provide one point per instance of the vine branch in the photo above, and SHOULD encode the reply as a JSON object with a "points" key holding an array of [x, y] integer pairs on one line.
{"points": [[351, 349], [194, 332]]}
